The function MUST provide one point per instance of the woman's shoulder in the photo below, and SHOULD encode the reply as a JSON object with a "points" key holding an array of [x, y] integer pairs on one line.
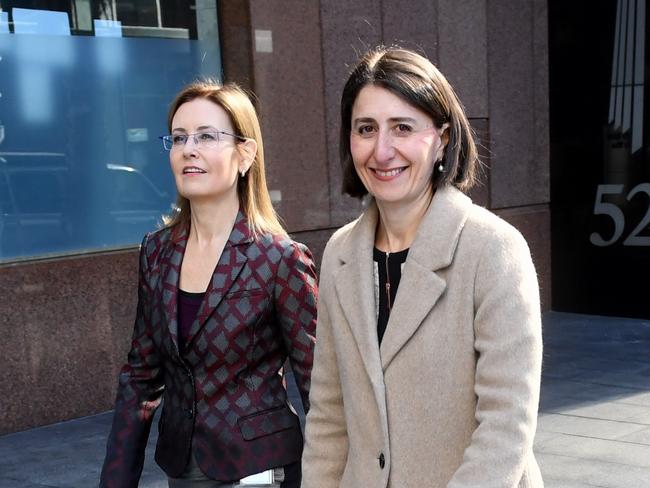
{"points": [[484, 218], [153, 241], [153, 244], [489, 229], [454, 205], [276, 246], [158, 238]]}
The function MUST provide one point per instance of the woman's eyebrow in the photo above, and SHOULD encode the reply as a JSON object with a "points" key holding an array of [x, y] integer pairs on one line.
{"points": [[402, 119], [398, 120], [363, 120], [202, 127]]}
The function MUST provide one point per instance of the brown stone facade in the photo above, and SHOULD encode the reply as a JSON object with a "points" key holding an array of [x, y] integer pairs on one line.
{"points": [[67, 322]]}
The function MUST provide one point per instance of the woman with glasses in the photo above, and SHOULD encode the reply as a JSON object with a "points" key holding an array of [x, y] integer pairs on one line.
{"points": [[427, 366], [224, 297]]}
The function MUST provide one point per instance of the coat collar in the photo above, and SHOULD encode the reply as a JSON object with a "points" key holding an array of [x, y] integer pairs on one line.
{"points": [[420, 286], [231, 262]]}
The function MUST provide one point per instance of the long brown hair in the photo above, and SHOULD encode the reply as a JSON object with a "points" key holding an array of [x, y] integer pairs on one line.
{"points": [[417, 81], [253, 193]]}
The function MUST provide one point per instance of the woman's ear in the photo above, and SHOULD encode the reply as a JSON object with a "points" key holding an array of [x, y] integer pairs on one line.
{"points": [[247, 150], [443, 134]]}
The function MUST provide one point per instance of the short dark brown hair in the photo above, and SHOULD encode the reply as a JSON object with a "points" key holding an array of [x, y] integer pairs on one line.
{"points": [[417, 81]]}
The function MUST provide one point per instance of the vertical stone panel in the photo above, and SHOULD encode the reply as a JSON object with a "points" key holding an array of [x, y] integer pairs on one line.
{"points": [[236, 43], [518, 176], [413, 25], [462, 51], [542, 148], [289, 85]]}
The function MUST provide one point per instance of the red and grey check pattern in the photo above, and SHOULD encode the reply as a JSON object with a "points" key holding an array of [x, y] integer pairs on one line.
{"points": [[222, 394]]}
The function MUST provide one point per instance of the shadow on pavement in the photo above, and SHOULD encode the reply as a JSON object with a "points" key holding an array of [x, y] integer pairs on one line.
{"points": [[591, 359]]}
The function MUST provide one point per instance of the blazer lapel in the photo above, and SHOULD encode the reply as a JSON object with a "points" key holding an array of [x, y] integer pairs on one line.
{"points": [[170, 270], [421, 287], [231, 262], [354, 283]]}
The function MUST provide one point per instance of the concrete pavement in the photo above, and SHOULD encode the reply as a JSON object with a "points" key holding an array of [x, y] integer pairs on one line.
{"points": [[594, 422], [593, 431]]}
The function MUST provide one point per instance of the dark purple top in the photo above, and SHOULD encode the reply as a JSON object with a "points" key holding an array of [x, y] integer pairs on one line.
{"points": [[188, 308]]}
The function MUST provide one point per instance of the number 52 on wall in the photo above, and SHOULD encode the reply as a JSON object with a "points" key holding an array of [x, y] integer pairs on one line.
{"points": [[616, 214]]}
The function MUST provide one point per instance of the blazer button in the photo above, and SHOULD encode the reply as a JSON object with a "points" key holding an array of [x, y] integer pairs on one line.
{"points": [[382, 461], [189, 413]]}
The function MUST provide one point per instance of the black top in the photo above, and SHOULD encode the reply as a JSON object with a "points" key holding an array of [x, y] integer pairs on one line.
{"points": [[389, 266], [188, 308]]}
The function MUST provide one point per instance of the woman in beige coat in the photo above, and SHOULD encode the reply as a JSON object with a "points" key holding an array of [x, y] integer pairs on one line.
{"points": [[428, 352]]}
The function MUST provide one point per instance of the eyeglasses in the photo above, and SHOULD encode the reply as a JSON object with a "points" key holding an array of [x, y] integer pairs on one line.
{"points": [[201, 139]]}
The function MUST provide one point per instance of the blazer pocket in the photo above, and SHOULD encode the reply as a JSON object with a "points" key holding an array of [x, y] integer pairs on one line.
{"points": [[245, 293], [266, 422]]}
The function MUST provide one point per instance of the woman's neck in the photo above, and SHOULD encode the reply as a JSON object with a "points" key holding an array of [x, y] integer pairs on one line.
{"points": [[399, 222], [211, 220]]}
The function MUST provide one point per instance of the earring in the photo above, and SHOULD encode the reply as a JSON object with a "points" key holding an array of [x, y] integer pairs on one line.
{"points": [[243, 173], [441, 167]]}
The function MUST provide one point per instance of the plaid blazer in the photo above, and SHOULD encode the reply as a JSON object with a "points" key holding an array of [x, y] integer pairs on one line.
{"points": [[222, 397]]}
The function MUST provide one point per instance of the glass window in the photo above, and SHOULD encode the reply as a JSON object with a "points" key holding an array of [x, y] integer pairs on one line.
{"points": [[84, 90]]}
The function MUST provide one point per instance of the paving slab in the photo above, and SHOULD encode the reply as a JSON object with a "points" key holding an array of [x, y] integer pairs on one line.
{"points": [[585, 448], [608, 411], [564, 471], [638, 437], [588, 427]]}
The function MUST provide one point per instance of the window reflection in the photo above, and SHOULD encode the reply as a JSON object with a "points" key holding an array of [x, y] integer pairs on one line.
{"points": [[85, 90]]}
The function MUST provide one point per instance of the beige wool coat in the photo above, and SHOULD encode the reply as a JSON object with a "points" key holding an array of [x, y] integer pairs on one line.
{"points": [[450, 398]]}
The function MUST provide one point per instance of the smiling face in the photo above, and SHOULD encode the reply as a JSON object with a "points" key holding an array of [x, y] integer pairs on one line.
{"points": [[211, 170], [394, 146]]}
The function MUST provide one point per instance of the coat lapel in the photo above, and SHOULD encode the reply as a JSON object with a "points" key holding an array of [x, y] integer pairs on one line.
{"points": [[354, 283], [421, 287], [170, 270], [231, 262]]}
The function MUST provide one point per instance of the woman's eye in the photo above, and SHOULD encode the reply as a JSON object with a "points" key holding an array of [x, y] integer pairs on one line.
{"points": [[207, 137], [179, 139], [365, 130], [404, 129]]}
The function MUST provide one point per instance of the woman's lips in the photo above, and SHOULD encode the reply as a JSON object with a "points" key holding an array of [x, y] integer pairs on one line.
{"points": [[386, 175], [192, 170]]}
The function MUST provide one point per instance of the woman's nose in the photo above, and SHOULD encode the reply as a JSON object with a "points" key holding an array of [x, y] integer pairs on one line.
{"points": [[384, 147], [190, 146]]}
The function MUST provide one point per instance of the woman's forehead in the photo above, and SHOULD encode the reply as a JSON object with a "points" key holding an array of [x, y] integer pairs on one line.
{"points": [[200, 112], [380, 103]]}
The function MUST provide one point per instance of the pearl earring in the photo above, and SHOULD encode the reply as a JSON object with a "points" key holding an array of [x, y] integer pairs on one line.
{"points": [[243, 173], [441, 167]]}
